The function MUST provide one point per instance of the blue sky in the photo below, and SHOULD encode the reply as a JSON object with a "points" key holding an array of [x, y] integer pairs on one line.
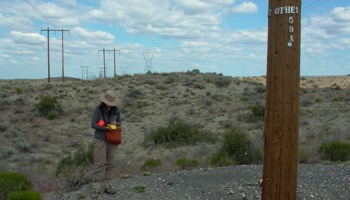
{"points": [[222, 36]]}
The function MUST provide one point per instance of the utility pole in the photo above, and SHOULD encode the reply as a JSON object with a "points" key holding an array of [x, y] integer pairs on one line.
{"points": [[115, 71], [48, 52], [101, 72], [84, 69], [63, 54], [282, 101], [104, 61], [87, 72]]}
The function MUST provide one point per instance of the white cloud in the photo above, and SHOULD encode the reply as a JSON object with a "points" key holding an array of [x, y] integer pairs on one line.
{"points": [[88, 35], [28, 38], [245, 7]]}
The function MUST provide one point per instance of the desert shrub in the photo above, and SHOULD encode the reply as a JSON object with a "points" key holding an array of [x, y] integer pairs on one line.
{"points": [[258, 110], [22, 145], [306, 102], [257, 114], [134, 93], [171, 79], [199, 86], [4, 103], [73, 168], [260, 88], [335, 86], [178, 133], [141, 104], [150, 165], [185, 163], [49, 107], [248, 93], [6, 152], [3, 127], [304, 155], [221, 159], [19, 90], [237, 149], [335, 151], [222, 81], [189, 81], [139, 188], [196, 71], [27, 195], [83, 156], [13, 182]]}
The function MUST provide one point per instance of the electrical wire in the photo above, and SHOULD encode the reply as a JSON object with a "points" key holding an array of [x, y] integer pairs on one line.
{"points": [[41, 14], [127, 9], [149, 19], [323, 19], [10, 11]]}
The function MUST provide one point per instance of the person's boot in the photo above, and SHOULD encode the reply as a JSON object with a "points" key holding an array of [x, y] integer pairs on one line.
{"points": [[108, 188], [96, 190]]}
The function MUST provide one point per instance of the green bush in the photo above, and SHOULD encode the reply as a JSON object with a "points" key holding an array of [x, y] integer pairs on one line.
{"points": [[134, 93], [150, 164], [260, 88], [178, 133], [335, 151], [19, 90], [49, 107], [27, 195], [222, 81], [221, 159], [13, 182], [335, 86], [258, 110], [185, 163], [82, 157], [139, 188], [304, 155], [22, 144], [237, 149], [75, 168]]}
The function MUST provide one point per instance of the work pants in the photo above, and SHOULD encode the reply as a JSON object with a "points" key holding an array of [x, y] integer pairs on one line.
{"points": [[104, 160]]}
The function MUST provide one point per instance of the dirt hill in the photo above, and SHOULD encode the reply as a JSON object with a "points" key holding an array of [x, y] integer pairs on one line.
{"points": [[33, 144]]}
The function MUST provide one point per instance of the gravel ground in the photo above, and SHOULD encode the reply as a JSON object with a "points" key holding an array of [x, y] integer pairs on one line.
{"points": [[236, 182]]}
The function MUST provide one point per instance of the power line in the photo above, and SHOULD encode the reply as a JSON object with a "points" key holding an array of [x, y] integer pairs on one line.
{"points": [[327, 17], [41, 14], [149, 19], [14, 13], [308, 6], [123, 20]]}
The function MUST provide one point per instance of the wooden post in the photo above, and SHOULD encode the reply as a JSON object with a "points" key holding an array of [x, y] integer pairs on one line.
{"points": [[62, 58], [282, 101], [48, 54]]}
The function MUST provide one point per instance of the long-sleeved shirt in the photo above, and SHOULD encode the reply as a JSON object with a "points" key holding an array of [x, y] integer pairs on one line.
{"points": [[108, 116]]}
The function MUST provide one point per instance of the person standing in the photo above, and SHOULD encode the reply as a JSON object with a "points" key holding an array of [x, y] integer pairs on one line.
{"points": [[104, 153]]}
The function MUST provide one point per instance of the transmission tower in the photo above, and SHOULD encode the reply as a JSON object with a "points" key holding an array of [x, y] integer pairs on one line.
{"points": [[148, 62]]}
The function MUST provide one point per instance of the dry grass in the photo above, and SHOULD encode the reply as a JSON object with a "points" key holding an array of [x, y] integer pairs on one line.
{"points": [[148, 102]]}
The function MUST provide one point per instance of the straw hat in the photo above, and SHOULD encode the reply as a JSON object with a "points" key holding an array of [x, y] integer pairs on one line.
{"points": [[109, 98]]}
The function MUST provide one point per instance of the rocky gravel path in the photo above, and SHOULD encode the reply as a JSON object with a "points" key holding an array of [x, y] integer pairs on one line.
{"points": [[235, 182]]}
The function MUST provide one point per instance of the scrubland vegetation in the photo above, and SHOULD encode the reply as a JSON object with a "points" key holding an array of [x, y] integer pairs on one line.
{"points": [[171, 121]]}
